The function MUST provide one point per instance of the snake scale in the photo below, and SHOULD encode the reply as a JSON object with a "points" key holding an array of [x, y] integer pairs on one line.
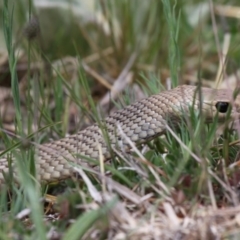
{"points": [[141, 122]]}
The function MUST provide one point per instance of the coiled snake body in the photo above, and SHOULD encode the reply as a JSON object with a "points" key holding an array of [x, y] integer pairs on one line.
{"points": [[141, 122]]}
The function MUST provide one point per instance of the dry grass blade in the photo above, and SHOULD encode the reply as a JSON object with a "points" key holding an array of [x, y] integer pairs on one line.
{"points": [[120, 83]]}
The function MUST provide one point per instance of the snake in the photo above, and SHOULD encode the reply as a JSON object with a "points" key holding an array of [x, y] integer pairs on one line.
{"points": [[139, 123]]}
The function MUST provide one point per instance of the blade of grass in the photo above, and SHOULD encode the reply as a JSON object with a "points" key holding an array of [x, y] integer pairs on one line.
{"points": [[7, 27], [86, 221], [173, 53], [21, 159]]}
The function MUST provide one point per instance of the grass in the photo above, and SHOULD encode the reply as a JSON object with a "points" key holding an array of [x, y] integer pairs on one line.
{"points": [[190, 173]]}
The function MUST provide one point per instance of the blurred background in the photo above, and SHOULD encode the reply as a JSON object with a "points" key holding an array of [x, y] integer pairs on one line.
{"points": [[121, 45]]}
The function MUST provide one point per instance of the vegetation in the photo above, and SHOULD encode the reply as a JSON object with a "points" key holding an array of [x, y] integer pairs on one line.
{"points": [[58, 68]]}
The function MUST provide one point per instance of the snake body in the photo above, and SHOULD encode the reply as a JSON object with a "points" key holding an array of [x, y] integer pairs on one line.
{"points": [[140, 122]]}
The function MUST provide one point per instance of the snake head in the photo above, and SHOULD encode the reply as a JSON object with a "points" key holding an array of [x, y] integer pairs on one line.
{"points": [[221, 103]]}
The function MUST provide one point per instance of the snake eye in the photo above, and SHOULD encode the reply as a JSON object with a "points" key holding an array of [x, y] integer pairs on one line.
{"points": [[222, 107]]}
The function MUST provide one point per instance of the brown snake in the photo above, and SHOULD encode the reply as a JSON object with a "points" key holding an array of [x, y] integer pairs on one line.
{"points": [[141, 122]]}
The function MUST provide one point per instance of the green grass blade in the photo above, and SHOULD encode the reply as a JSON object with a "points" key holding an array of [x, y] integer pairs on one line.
{"points": [[84, 222], [173, 53]]}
